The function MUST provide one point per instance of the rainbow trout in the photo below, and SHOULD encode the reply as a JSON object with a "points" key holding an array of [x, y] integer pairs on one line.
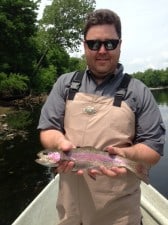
{"points": [[90, 157]]}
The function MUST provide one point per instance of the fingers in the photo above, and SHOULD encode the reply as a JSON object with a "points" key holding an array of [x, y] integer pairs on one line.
{"points": [[64, 144], [80, 172], [112, 150], [115, 151], [65, 167], [93, 173], [114, 171]]}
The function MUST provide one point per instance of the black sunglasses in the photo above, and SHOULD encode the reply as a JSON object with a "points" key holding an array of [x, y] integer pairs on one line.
{"points": [[95, 45]]}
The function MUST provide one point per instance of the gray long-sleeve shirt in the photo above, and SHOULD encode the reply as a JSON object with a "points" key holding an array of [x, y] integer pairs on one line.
{"points": [[150, 129]]}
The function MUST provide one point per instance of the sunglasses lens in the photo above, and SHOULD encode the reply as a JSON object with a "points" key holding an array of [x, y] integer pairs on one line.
{"points": [[95, 45], [110, 44]]}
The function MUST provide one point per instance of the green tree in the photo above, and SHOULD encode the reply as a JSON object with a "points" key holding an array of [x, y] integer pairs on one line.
{"points": [[153, 78], [63, 20], [164, 77], [77, 63], [18, 27], [44, 80], [60, 31], [14, 85], [58, 57]]}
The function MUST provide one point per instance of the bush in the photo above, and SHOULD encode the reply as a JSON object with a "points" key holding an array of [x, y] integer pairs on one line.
{"points": [[19, 120], [13, 84]]}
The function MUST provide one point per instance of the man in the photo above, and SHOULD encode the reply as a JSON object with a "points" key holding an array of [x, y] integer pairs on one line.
{"points": [[93, 116]]}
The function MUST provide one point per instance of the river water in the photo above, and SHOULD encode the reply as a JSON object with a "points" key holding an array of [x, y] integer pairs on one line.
{"points": [[21, 179], [158, 175]]}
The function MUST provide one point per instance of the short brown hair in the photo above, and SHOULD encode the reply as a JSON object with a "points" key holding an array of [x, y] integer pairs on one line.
{"points": [[102, 17]]}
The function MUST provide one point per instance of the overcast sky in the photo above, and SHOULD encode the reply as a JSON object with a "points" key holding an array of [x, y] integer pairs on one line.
{"points": [[144, 32]]}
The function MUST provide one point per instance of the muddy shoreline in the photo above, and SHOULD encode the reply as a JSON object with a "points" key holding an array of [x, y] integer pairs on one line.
{"points": [[28, 101]]}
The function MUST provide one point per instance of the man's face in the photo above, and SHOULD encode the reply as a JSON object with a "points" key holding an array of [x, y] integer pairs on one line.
{"points": [[102, 62]]}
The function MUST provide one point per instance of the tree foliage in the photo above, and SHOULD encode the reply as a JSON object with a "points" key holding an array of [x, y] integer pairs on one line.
{"points": [[44, 79], [39, 49], [18, 28], [13, 85], [153, 78], [64, 22], [77, 63], [60, 30]]}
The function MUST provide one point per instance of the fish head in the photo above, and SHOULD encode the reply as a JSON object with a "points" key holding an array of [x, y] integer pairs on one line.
{"points": [[48, 158]]}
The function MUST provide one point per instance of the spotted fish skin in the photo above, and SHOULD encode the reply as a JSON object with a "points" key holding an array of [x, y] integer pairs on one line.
{"points": [[90, 157]]}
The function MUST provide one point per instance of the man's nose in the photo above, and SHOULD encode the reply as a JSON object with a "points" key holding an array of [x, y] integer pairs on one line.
{"points": [[102, 49]]}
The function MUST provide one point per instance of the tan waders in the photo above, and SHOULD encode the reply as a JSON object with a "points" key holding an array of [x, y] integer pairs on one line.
{"points": [[92, 120]]}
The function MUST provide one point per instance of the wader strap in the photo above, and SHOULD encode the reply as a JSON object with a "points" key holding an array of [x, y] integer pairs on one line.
{"points": [[122, 89], [75, 84], [119, 95]]}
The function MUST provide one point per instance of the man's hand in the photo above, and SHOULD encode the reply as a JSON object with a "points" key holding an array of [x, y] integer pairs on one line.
{"points": [[65, 167], [110, 172], [113, 171]]}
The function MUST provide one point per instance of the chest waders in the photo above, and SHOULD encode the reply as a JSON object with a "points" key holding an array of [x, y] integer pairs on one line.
{"points": [[98, 121]]}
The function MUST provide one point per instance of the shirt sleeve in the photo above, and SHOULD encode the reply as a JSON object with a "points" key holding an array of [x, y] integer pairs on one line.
{"points": [[150, 129], [52, 113]]}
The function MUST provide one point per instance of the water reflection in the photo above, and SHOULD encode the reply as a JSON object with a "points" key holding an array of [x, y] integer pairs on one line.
{"points": [[161, 96], [157, 175]]}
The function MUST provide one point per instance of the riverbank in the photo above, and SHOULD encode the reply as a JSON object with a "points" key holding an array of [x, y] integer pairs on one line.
{"points": [[15, 109], [28, 101], [4, 110], [7, 132]]}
